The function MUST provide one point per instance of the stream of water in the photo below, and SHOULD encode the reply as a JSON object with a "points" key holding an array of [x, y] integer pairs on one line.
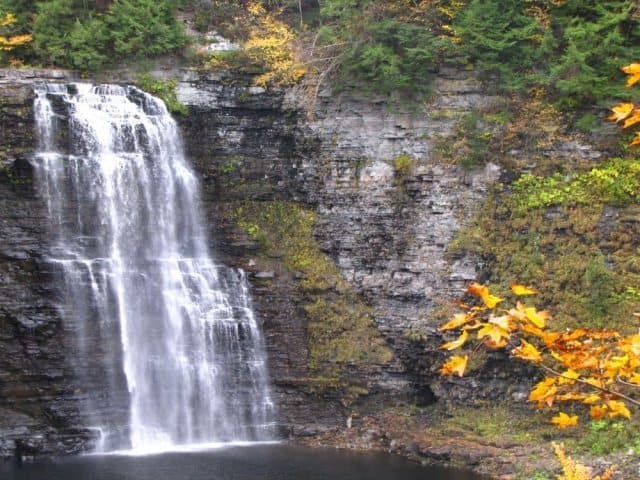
{"points": [[130, 243]]}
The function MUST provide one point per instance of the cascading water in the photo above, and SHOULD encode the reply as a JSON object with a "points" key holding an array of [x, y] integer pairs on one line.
{"points": [[131, 247]]}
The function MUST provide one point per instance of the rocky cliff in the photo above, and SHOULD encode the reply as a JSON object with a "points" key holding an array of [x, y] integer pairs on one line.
{"points": [[343, 213]]}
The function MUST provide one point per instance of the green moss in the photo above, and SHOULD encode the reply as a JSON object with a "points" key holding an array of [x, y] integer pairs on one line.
{"points": [[163, 89], [575, 239], [616, 182], [341, 334]]}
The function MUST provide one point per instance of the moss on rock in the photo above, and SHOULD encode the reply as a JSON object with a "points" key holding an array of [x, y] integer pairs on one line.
{"points": [[342, 337]]}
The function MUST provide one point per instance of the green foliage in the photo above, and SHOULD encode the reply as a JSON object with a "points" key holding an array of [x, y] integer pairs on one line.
{"points": [[165, 90], [403, 165], [593, 40], [587, 123], [552, 232], [382, 52], [617, 182], [500, 39], [76, 34], [604, 437]]}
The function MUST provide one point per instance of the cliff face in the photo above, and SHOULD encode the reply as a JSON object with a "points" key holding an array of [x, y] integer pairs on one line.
{"points": [[385, 205]]}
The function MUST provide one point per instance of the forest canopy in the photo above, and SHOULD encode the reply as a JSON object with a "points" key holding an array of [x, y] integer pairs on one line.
{"points": [[570, 48]]}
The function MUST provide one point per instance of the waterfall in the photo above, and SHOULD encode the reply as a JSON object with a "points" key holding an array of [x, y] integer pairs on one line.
{"points": [[147, 302]]}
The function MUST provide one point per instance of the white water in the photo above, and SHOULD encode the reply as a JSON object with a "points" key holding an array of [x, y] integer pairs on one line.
{"points": [[130, 242]]}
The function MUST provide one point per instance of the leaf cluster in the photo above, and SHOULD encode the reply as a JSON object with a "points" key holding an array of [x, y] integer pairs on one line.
{"points": [[598, 370], [629, 113]]}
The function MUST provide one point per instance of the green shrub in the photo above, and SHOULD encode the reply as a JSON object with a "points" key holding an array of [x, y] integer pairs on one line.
{"points": [[403, 165], [69, 33], [165, 90]]}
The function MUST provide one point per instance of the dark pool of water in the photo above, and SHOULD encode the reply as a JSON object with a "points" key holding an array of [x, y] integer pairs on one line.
{"points": [[273, 462]]}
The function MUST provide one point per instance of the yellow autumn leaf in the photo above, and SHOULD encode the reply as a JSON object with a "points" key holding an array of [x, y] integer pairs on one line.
{"points": [[621, 111], [527, 351], [562, 420], [457, 343], [494, 332], [635, 379], [634, 71], [632, 119], [482, 291], [618, 409], [522, 290], [503, 321], [591, 399], [456, 364], [568, 377], [537, 318], [543, 390], [636, 139], [458, 320], [570, 397]]}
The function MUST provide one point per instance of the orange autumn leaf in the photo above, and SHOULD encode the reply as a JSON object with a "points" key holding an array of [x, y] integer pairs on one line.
{"points": [[632, 119], [482, 292], [562, 420], [528, 352], [634, 71], [636, 139], [457, 321], [621, 111], [618, 409], [457, 343], [598, 412], [456, 364]]}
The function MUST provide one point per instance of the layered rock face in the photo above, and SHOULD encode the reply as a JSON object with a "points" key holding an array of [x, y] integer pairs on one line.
{"points": [[38, 389]]}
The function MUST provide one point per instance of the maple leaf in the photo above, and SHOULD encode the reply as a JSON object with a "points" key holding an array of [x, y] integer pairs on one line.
{"points": [[635, 379], [457, 321], [562, 420], [632, 120], [494, 332], [531, 314], [568, 378], [621, 111], [591, 399], [456, 364], [503, 321], [598, 411], [528, 352], [535, 317], [522, 290], [571, 396], [543, 390], [482, 291], [618, 409], [634, 71], [457, 343]]}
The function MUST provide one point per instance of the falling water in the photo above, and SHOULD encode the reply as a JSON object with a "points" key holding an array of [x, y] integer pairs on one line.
{"points": [[130, 243]]}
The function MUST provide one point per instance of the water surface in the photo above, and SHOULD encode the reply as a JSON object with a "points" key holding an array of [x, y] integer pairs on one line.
{"points": [[269, 462]]}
